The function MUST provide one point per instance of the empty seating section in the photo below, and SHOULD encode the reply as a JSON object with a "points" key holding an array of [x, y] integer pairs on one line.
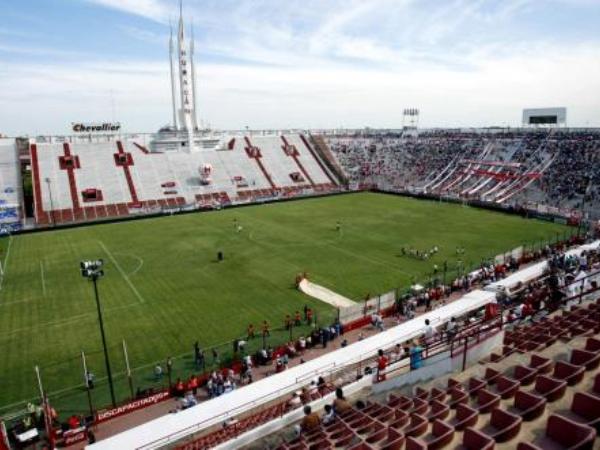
{"points": [[276, 162], [118, 178], [309, 162]]}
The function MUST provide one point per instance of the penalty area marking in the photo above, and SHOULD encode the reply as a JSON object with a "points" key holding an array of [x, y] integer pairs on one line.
{"points": [[122, 272], [140, 262]]}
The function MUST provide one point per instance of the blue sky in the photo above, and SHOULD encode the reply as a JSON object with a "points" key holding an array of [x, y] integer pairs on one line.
{"points": [[302, 64]]}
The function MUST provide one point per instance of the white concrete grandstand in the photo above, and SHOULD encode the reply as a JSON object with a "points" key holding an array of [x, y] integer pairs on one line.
{"points": [[81, 181], [10, 187]]}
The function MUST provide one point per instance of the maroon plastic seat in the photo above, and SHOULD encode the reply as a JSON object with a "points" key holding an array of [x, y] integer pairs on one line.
{"points": [[382, 412], [360, 422], [587, 409], [524, 374], [421, 393], [550, 388], [529, 406], [562, 433], [491, 375], [371, 408], [486, 401], [440, 436], [399, 401], [464, 417], [585, 358], [568, 372], [340, 434], [452, 383], [417, 426], [456, 397], [494, 357], [395, 440], [475, 440], [596, 385], [438, 410], [368, 428], [592, 345], [506, 387], [377, 436], [420, 406], [503, 426], [400, 420], [344, 441], [475, 385], [437, 394], [543, 365]]}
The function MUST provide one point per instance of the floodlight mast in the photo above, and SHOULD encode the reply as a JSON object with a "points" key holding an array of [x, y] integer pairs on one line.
{"points": [[92, 270]]}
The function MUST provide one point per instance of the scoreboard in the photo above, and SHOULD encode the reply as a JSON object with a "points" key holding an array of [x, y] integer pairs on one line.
{"points": [[547, 117]]}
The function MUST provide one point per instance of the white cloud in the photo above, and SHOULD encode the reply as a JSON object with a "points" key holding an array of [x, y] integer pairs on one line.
{"points": [[316, 63], [150, 9]]}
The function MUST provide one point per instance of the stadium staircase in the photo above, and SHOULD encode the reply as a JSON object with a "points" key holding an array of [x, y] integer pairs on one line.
{"points": [[292, 152], [255, 153], [125, 160], [327, 162]]}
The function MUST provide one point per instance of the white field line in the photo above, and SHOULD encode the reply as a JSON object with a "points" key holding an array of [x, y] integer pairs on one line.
{"points": [[137, 269], [43, 278], [5, 263], [122, 272]]}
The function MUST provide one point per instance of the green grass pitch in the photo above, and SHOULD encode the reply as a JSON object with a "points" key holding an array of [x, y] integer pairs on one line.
{"points": [[163, 288]]}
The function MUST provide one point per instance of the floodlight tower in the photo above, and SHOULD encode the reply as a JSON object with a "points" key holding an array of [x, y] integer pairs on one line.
{"points": [[410, 118], [92, 270]]}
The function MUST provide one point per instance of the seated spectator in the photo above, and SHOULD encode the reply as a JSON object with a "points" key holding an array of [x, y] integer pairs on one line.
{"points": [[329, 415], [313, 390], [188, 401], [309, 423], [340, 404], [294, 402], [377, 321]]}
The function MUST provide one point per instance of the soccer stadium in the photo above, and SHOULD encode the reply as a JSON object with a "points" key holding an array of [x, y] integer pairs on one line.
{"points": [[409, 287]]}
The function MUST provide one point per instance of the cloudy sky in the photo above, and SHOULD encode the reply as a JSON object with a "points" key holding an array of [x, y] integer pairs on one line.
{"points": [[299, 63]]}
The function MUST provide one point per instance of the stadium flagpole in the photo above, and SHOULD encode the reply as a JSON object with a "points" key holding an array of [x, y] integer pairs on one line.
{"points": [[39, 380], [87, 382], [46, 407], [128, 368]]}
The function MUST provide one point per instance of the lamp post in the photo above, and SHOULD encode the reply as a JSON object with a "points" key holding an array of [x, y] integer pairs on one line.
{"points": [[92, 270]]}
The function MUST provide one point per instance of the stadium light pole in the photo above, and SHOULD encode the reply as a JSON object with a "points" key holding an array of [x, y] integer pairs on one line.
{"points": [[92, 270]]}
